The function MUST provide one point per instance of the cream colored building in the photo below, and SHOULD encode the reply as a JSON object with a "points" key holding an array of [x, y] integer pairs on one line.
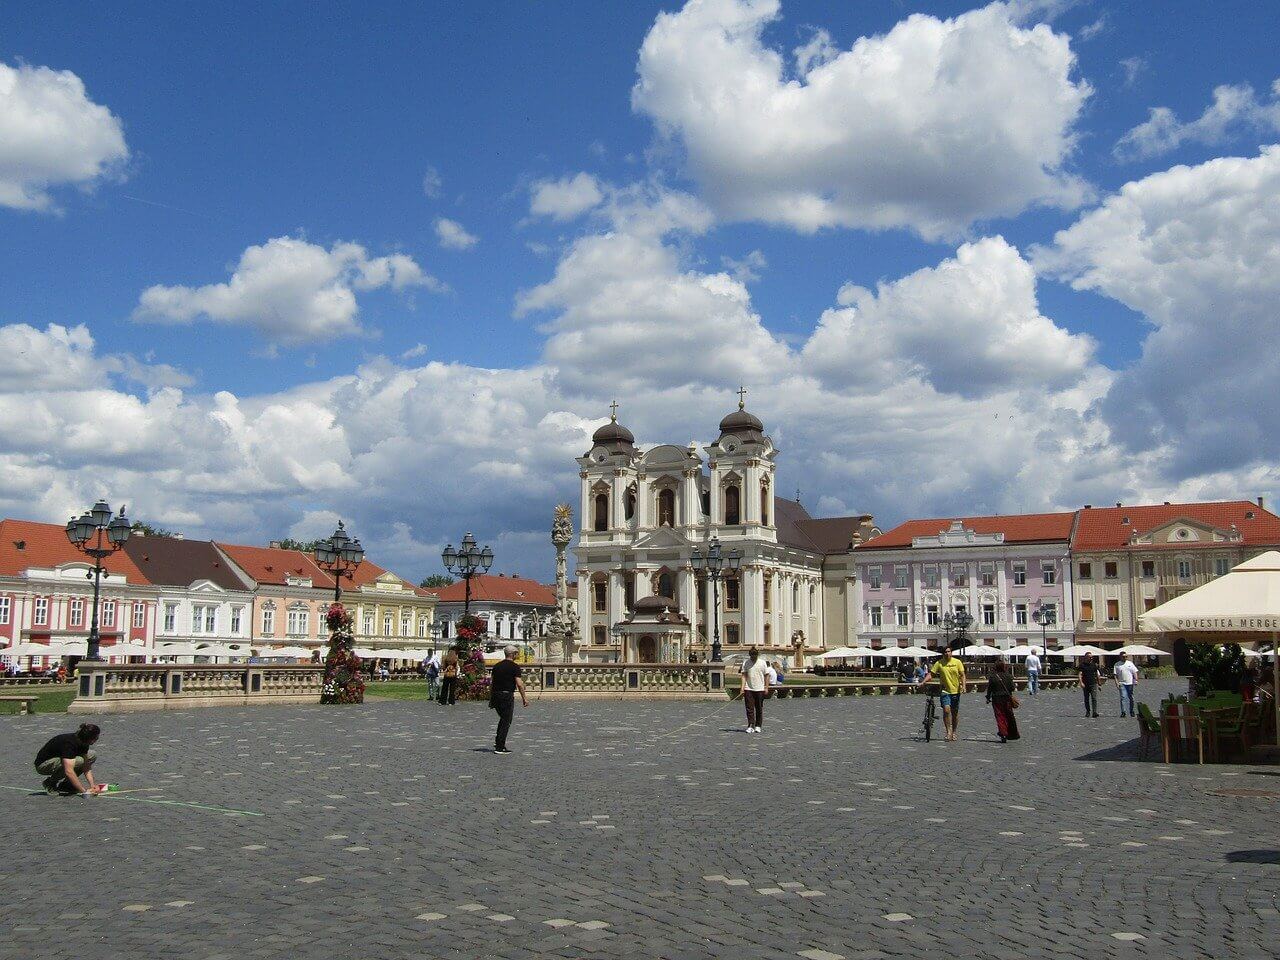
{"points": [[390, 613]]}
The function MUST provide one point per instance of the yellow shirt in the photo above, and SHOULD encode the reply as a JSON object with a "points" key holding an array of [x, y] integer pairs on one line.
{"points": [[950, 675]]}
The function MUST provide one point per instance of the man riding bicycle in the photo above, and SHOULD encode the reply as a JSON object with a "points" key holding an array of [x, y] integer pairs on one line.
{"points": [[949, 672]]}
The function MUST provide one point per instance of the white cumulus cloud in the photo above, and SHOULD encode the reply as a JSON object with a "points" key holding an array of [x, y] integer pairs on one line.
{"points": [[931, 126], [289, 290], [453, 235], [1235, 109], [565, 199], [51, 135]]}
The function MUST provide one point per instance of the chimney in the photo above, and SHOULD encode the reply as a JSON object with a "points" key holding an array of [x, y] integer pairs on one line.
{"points": [[1262, 501], [1119, 504], [1166, 503], [274, 545], [1088, 506]]}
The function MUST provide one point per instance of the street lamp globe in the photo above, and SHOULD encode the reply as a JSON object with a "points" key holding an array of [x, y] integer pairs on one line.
{"points": [[449, 556], [118, 530], [101, 513]]}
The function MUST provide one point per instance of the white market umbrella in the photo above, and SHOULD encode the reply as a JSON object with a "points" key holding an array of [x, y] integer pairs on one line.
{"points": [[839, 653], [863, 652], [1022, 650], [296, 652], [31, 650], [1080, 649], [365, 653], [919, 652], [1142, 650], [979, 650], [1246, 600], [125, 650], [893, 653], [176, 649]]}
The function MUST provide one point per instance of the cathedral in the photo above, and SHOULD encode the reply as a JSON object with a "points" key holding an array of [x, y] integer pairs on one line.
{"points": [[649, 519]]}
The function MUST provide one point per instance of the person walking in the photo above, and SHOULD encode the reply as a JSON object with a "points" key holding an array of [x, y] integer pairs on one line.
{"points": [[755, 683], [66, 759], [1089, 684], [1126, 672], [1033, 674], [449, 671], [1003, 697], [505, 684], [949, 672], [433, 679]]}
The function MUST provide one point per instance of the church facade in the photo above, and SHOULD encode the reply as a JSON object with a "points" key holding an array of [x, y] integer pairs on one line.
{"points": [[643, 513]]}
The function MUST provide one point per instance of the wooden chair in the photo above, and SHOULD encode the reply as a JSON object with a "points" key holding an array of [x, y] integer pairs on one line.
{"points": [[1148, 730]]}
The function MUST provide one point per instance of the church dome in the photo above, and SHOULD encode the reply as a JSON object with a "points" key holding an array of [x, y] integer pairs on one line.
{"points": [[741, 424], [611, 433]]}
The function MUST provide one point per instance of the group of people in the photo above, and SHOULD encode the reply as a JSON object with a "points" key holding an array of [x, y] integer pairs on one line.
{"points": [[442, 677]]}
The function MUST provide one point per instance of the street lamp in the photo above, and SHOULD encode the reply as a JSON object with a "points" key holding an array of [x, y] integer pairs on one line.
{"points": [[956, 623], [713, 563], [97, 535], [465, 562], [1044, 618], [339, 555], [618, 633]]}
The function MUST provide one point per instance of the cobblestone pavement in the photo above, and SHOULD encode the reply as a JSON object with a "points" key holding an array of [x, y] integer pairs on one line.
{"points": [[636, 830]]}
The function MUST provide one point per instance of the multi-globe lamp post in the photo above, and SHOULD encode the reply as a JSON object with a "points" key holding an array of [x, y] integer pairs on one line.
{"points": [[97, 535], [465, 562], [1044, 618], [339, 556], [954, 625], [713, 563]]}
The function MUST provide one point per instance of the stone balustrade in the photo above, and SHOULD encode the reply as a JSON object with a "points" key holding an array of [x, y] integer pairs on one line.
{"points": [[656, 681], [102, 688]]}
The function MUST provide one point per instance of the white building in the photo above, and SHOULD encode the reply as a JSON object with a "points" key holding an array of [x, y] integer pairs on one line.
{"points": [[644, 512]]}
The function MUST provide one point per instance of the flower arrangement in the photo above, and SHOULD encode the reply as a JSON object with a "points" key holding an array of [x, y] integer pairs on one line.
{"points": [[473, 674], [342, 681]]}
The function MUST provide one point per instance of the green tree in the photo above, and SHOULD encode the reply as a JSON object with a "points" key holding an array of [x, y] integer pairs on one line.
{"points": [[150, 530], [1216, 668], [306, 546], [435, 581]]}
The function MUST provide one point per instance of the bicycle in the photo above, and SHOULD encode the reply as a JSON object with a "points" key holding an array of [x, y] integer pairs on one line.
{"points": [[930, 716]]}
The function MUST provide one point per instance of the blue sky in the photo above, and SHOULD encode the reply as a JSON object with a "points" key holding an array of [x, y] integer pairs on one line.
{"points": [[319, 122]]}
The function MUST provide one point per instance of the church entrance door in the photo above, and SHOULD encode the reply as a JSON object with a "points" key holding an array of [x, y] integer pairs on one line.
{"points": [[648, 650]]}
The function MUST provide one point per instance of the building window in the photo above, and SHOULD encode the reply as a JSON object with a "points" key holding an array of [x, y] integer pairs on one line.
{"points": [[1113, 611], [1086, 610], [423, 625], [109, 613], [139, 616], [368, 624], [406, 625], [988, 614], [876, 617], [764, 505], [1019, 574], [211, 619], [77, 612], [1148, 603], [666, 508], [629, 504], [988, 575], [1048, 574], [959, 608], [170, 617], [1148, 569], [197, 619], [666, 585], [4, 609], [297, 622], [768, 634], [902, 616], [931, 577], [600, 596], [1184, 569], [960, 576], [813, 597], [235, 620], [731, 634], [599, 636], [387, 621], [629, 591], [1111, 570], [1221, 566], [1020, 614], [732, 506], [602, 511], [768, 594], [42, 611], [1048, 613], [1086, 571], [268, 621], [732, 594], [931, 614], [873, 578]]}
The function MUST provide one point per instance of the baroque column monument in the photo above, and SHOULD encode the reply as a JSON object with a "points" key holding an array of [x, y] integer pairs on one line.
{"points": [[562, 629]]}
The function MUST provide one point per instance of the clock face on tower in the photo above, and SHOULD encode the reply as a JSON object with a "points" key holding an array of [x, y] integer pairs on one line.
{"points": [[598, 456], [730, 447]]}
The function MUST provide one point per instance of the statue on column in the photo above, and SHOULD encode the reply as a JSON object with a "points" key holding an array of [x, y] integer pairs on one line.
{"points": [[562, 629]]}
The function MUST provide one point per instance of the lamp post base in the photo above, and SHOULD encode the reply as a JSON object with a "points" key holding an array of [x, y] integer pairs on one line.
{"points": [[717, 652]]}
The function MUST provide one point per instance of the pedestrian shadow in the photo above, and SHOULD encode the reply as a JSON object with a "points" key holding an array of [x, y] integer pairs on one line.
{"points": [[1126, 750], [1253, 856]]}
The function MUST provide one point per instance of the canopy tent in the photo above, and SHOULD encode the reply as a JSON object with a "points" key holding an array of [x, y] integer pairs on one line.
{"points": [[1080, 649], [1141, 650], [978, 650], [1244, 601]]}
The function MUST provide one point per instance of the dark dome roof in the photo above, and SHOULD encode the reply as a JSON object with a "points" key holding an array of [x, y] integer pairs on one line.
{"points": [[655, 603], [613, 432], [741, 422]]}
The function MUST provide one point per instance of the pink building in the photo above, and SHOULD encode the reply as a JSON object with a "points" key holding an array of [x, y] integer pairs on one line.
{"points": [[999, 570], [291, 596]]}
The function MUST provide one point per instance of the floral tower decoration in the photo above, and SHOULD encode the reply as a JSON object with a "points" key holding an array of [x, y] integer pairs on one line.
{"points": [[473, 676], [342, 681]]}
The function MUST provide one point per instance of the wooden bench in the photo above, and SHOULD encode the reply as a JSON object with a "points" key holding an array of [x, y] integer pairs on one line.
{"points": [[24, 703]]}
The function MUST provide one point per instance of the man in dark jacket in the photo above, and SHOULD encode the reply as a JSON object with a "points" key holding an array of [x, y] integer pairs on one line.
{"points": [[1089, 684]]}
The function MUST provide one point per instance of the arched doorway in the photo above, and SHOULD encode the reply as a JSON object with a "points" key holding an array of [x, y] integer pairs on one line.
{"points": [[647, 649]]}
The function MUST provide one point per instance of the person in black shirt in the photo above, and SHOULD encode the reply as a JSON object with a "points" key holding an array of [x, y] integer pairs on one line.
{"points": [[1089, 684], [506, 683], [64, 759]]}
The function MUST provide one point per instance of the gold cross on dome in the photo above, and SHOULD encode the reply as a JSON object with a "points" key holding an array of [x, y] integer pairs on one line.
{"points": [[742, 398], [613, 411]]}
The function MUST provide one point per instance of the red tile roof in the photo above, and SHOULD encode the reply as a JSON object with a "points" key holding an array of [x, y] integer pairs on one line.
{"points": [[26, 543], [500, 589], [1017, 528], [1102, 528], [271, 564]]}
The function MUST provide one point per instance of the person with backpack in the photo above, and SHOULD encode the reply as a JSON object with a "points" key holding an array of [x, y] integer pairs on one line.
{"points": [[1002, 695], [449, 671], [433, 679]]}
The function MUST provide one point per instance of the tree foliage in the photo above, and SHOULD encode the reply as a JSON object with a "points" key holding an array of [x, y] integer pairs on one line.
{"points": [[436, 580], [1215, 668], [151, 530]]}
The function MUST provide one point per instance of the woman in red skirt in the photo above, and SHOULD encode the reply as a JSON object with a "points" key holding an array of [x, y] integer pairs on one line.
{"points": [[1001, 695]]}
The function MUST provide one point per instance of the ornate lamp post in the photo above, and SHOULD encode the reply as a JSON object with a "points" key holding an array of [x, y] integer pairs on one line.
{"points": [[713, 563], [619, 636], [956, 624], [1044, 618], [465, 562], [339, 555], [97, 535]]}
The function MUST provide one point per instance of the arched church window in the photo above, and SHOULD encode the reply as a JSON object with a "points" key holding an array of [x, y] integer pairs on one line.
{"points": [[706, 503], [666, 586], [764, 504], [631, 503], [795, 598], [732, 506], [602, 511], [666, 508]]}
